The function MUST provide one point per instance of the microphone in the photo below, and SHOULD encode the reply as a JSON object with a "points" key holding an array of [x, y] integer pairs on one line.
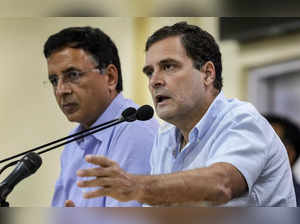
{"points": [[24, 168], [144, 113], [129, 114]]}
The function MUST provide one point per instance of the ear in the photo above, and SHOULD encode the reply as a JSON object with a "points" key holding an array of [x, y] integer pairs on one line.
{"points": [[210, 73], [112, 74]]}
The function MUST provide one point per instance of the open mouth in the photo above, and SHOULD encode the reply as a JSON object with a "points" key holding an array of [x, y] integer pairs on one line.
{"points": [[161, 98]]}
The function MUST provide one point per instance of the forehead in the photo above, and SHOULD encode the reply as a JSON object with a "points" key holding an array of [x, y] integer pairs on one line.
{"points": [[68, 57], [170, 47]]}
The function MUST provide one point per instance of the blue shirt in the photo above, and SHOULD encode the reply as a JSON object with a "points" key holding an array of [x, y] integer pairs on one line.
{"points": [[129, 144], [233, 132]]}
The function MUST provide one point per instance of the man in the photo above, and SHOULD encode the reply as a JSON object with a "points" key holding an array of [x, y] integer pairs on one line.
{"points": [[215, 151], [289, 134], [85, 72]]}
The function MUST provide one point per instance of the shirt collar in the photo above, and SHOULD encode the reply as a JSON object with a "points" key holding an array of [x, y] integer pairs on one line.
{"points": [[209, 117], [206, 121]]}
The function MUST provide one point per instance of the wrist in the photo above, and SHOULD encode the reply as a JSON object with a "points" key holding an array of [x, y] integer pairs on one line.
{"points": [[140, 188]]}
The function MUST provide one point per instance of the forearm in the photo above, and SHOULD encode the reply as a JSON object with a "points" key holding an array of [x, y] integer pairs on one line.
{"points": [[216, 184], [198, 185]]}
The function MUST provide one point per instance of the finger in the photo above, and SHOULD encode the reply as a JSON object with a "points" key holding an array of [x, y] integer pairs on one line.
{"points": [[69, 203], [99, 160], [98, 193], [92, 172], [97, 182]]}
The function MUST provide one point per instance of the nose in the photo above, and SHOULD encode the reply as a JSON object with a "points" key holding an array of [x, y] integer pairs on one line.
{"points": [[156, 80], [62, 88]]}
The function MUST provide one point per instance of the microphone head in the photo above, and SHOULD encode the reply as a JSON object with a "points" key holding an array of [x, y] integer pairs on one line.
{"points": [[24, 168], [31, 162], [144, 113], [129, 114]]}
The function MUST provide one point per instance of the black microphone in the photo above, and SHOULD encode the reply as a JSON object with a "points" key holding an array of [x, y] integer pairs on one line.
{"points": [[129, 114], [144, 113], [24, 168]]}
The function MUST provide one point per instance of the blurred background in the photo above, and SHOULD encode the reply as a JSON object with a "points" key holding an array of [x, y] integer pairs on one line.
{"points": [[261, 61], [150, 215], [137, 8]]}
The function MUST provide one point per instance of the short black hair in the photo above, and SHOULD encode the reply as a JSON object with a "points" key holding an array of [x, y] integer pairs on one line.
{"points": [[200, 46], [291, 132], [92, 40]]}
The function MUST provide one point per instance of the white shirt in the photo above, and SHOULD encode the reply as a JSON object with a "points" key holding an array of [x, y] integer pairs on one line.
{"points": [[233, 132]]}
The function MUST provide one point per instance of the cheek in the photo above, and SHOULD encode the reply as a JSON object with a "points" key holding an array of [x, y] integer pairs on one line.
{"points": [[150, 89], [183, 89], [187, 92]]}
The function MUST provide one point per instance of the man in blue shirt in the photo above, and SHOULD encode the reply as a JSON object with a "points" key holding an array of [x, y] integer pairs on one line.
{"points": [[85, 72], [213, 150]]}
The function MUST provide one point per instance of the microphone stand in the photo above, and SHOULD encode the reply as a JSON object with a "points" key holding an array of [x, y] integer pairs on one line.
{"points": [[4, 203], [61, 139], [130, 114], [94, 130]]}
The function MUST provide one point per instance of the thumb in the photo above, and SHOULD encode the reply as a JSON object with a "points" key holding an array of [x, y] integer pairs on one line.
{"points": [[69, 203]]}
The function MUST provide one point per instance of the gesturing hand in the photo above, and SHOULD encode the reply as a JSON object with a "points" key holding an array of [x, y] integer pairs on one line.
{"points": [[112, 180]]}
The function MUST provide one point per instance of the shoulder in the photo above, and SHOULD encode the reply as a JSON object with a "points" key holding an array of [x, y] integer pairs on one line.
{"points": [[135, 133], [239, 113], [243, 130], [228, 112], [149, 127]]}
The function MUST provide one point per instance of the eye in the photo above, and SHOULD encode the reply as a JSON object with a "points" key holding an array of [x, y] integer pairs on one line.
{"points": [[148, 72], [53, 80], [168, 67], [73, 75]]}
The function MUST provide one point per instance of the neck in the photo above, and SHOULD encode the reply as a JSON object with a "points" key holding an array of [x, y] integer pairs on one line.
{"points": [[186, 123], [88, 124]]}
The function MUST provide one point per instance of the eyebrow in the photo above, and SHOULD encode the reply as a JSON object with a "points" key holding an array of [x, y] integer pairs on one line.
{"points": [[162, 62], [72, 68], [167, 60]]}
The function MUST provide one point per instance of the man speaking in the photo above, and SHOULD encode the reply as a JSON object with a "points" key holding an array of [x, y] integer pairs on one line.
{"points": [[213, 150]]}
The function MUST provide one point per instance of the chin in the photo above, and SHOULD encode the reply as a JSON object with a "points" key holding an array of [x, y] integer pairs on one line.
{"points": [[165, 115], [73, 118]]}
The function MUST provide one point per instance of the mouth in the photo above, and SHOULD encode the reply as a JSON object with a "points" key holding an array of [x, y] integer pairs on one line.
{"points": [[69, 108], [159, 99]]}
